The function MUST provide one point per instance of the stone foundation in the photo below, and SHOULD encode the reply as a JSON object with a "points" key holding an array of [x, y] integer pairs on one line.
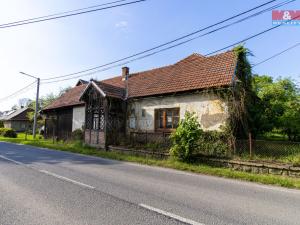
{"points": [[94, 138], [258, 168]]}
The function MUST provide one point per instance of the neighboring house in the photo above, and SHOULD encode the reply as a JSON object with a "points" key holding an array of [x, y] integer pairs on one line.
{"points": [[65, 114], [152, 101], [17, 119]]}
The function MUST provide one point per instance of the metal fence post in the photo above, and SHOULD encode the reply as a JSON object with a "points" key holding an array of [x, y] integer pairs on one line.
{"points": [[250, 145]]}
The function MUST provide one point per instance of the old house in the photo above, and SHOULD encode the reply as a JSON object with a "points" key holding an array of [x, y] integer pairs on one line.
{"points": [[17, 119], [66, 114], [152, 101]]}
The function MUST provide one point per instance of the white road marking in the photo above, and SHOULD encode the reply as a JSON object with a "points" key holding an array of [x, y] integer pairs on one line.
{"points": [[49, 173], [66, 179], [11, 160], [171, 215]]}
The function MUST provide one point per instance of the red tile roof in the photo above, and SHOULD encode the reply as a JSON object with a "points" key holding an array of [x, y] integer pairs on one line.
{"points": [[70, 98], [112, 90], [192, 73]]}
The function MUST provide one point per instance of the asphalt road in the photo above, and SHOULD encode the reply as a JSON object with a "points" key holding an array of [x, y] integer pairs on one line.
{"points": [[39, 186]]}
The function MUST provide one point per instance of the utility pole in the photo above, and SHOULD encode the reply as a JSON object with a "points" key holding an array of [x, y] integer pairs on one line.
{"points": [[36, 102]]}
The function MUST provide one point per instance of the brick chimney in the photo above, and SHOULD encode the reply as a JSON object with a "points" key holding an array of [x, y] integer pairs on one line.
{"points": [[125, 73]]}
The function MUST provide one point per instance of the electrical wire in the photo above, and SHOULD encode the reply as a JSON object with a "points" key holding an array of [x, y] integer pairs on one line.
{"points": [[167, 43], [22, 90], [14, 24], [275, 55], [61, 13], [170, 47]]}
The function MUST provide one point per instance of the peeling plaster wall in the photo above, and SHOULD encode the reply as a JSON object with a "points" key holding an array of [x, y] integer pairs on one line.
{"points": [[78, 117], [211, 110]]}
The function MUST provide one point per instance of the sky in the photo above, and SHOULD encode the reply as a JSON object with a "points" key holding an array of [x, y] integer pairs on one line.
{"points": [[68, 45]]}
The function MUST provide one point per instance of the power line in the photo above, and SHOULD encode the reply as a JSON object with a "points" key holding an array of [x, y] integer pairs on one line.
{"points": [[164, 44], [277, 54], [61, 13], [164, 49], [22, 90], [14, 24], [208, 54]]}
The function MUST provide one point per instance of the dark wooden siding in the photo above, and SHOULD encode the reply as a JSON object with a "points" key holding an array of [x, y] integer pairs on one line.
{"points": [[115, 121], [59, 123]]}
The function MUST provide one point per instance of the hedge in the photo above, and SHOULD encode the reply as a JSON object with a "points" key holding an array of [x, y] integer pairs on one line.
{"points": [[8, 132]]}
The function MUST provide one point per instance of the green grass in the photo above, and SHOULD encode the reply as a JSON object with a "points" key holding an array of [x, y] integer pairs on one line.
{"points": [[293, 159], [273, 136], [78, 147], [275, 151]]}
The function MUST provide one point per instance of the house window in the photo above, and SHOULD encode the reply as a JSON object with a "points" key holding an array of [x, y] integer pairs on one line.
{"points": [[96, 121], [167, 118]]}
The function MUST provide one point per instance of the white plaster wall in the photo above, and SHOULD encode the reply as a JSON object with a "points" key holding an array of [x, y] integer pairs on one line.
{"points": [[78, 117], [211, 110]]}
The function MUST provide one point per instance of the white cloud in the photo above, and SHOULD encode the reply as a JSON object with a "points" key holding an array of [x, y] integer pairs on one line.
{"points": [[121, 24]]}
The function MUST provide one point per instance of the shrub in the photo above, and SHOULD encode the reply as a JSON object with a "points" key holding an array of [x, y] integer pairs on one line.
{"points": [[184, 139], [77, 135], [213, 143], [8, 132]]}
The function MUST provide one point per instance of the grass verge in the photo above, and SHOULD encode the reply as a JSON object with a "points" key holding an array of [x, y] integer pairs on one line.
{"points": [[77, 147]]}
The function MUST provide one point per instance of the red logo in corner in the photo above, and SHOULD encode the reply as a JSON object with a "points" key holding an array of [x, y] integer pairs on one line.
{"points": [[286, 17]]}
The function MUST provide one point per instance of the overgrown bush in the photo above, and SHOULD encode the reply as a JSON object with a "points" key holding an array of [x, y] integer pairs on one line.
{"points": [[185, 138], [77, 135], [8, 132], [213, 143]]}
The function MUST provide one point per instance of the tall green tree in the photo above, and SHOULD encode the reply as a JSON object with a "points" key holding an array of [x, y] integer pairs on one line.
{"points": [[43, 102], [279, 105]]}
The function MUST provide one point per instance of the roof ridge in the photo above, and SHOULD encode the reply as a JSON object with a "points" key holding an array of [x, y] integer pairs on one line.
{"points": [[151, 70], [222, 53], [109, 78], [194, 54], [170, 65]]}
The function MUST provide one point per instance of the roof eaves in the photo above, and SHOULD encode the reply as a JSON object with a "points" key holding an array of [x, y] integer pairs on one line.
{"points": [[92, 83], [61, 107]]}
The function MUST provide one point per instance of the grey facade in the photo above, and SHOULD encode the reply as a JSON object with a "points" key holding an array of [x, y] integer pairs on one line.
{"points": [[17, 120]]}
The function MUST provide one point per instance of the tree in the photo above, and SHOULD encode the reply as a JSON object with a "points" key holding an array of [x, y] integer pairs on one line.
{"points": [[279, 105], [241, 98], [290, 121], [43, 102], [63, 91], [48, 99], [24, 102]]}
